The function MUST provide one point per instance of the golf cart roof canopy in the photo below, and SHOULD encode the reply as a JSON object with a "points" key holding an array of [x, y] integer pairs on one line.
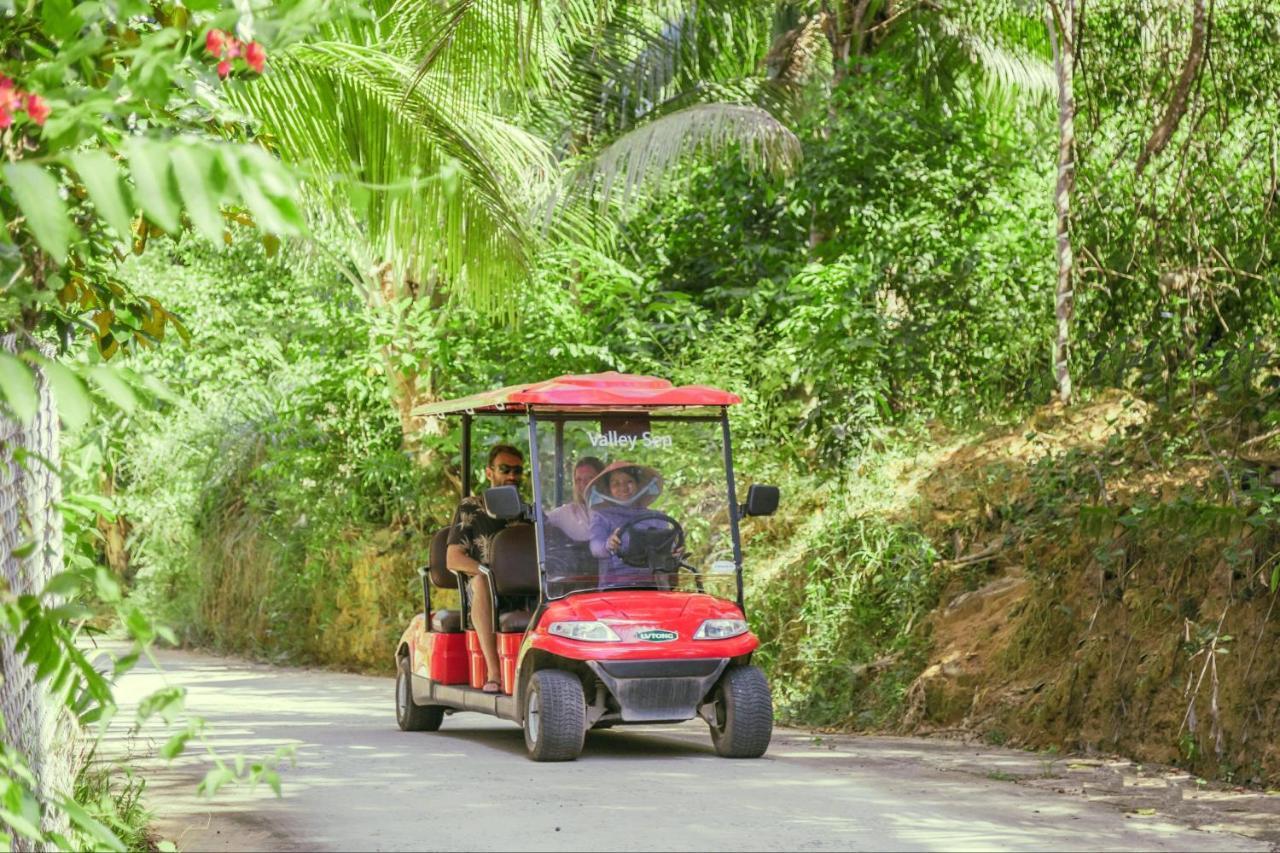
{"points": [[604, 392]]}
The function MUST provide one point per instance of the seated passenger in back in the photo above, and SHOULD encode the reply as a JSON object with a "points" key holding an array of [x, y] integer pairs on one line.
{"points": [[573, 518], [568, 557]]}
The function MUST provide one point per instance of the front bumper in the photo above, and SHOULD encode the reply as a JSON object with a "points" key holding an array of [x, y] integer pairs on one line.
{"points": [[659, 691]]}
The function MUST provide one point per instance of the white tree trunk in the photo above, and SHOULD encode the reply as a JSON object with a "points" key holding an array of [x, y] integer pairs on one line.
{"points": [[1061, 22]]}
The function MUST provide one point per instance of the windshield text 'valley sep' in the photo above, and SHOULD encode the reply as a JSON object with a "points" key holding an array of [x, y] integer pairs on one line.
{"points": [[613, 438]]}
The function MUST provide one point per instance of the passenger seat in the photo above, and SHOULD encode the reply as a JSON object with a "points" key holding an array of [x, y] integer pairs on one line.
{"points": [[443, 621]]}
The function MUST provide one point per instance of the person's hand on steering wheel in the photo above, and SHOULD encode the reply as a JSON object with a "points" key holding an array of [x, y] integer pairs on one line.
{"points": [[614, 542]]}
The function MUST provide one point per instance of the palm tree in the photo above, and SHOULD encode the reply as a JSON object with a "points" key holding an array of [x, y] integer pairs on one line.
{"points": [[455, 138]]}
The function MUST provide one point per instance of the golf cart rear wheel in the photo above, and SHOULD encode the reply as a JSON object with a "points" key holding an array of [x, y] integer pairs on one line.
{"points": [[410, 716], [743, 713], [555, 716]]}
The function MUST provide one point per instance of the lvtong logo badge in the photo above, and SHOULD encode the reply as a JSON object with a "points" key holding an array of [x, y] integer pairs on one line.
{"points": [[656, 635]]}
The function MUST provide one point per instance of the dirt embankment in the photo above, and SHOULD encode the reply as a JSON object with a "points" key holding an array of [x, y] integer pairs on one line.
{"points": [[1107, 590]]}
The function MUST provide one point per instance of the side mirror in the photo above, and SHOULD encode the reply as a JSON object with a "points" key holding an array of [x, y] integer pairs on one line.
{"points": [[503, 502], [761, 500]]}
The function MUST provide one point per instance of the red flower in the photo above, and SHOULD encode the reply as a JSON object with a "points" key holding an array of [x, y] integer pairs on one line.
{"points": [[6, 118], [37, 109], [233, 48], [256, 56], [224, 68], [214, 41]]}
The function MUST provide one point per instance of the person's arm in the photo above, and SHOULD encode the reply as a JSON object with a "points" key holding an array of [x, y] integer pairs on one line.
{"points": [[457, 560], [456, 557], [600, 534]]}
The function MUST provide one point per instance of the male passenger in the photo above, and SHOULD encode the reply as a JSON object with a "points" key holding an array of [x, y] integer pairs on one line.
{"points": [[471, 548]]}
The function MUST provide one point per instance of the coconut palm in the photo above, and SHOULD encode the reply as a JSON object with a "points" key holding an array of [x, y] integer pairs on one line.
{"points": [[454, 138], [445, 130]]}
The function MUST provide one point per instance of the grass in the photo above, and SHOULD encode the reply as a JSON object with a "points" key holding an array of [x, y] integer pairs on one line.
{"points": [[113, 795]]}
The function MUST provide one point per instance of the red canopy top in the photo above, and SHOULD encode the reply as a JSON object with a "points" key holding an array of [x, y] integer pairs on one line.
{"points": [[597, 391]]}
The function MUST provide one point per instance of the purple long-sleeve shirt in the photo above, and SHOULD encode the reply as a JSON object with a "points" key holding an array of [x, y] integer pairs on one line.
{"points": [[605, 519]]}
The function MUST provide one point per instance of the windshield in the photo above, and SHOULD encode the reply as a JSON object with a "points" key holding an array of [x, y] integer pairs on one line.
{"points": [[634, 504]]}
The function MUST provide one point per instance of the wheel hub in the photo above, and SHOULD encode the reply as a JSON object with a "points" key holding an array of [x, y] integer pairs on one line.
{"points": [[531, 717]]}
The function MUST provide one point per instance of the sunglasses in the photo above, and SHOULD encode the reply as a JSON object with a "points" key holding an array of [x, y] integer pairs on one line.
{"points": [[518, 470]]}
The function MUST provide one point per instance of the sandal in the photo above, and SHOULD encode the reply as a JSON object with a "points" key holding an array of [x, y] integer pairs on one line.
{"points": [[491, 683]]}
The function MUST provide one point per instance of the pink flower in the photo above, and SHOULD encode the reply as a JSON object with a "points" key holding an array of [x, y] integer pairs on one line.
{"points": [[224, 68], [256, 56], [6, 118], [214, 41], [10, 98], [37, 109], [233, 48]]}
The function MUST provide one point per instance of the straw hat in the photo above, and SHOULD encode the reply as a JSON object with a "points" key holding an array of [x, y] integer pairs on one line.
{"points": [[648, 485]]}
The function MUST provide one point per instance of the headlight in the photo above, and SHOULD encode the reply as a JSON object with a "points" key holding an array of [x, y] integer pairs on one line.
{"points": [[720, 629], [595, 632]]}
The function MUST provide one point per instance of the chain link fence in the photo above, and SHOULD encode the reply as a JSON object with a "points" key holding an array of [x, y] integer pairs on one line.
{"points": [[30, 489]]}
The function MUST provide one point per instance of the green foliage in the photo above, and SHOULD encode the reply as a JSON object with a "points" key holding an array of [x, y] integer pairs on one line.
{"points": [[905, 270], [297, 442], [840, 625], [112, 796]]}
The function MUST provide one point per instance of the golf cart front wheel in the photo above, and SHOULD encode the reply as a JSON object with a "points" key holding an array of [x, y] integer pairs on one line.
{"points": [[555, 716], [743, 722], [410, 716]]}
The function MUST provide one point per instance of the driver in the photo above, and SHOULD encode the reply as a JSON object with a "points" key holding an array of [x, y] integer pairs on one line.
{"points": [[619, 494], [471, 547]]}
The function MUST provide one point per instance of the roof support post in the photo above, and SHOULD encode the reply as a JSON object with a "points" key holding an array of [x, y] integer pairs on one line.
{"points": [[733, 504], [466, 455]]}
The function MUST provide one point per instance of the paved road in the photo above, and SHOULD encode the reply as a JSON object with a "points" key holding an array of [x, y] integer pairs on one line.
{"points": [[361, 784]]}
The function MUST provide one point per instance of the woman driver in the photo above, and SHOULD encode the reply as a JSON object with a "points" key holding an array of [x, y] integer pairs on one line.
{"points": [[619, 494]]}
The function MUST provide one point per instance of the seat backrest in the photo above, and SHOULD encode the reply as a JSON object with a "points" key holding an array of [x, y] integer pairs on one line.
{"points": [[441, 577], [515, 561]]}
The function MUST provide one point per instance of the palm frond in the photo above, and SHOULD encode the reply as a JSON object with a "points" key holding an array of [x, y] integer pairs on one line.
{"points": [[421, 176], [646, 157], [1007, 66]]}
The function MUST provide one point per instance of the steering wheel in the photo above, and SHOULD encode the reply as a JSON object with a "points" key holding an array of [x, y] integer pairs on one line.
{"points": [[651, 540]]}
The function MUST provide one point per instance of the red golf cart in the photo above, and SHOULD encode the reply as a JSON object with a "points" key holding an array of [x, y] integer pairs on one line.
{"points": [[649, 629]]}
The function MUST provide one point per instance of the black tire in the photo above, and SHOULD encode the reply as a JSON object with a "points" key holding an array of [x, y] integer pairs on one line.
{"points": [[744, 713], [555, 716], [410, 716]]}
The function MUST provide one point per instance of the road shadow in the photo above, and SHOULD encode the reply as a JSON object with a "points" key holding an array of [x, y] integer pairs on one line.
{"points": [[639, 743], [635, 743]]}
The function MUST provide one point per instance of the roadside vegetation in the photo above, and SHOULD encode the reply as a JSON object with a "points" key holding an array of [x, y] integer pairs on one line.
{"points": [[998, 287]]}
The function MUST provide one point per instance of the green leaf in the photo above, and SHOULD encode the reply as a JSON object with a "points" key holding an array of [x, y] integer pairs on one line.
{"points": [[194, 167], [173, 746], [115, 388], [70, 612], [149, 163], [215, 779], [101, 177], [139, 626], [265, 187], [61, 20], [36, 192], [18, 386], [26, 549], [20, 823], [63, 583], [107, 587], [69, 392], [91, 827]]}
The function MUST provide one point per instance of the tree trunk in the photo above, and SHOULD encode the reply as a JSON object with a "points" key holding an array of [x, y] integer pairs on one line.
{"points": [[1060, 20], [1181, 90]]}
